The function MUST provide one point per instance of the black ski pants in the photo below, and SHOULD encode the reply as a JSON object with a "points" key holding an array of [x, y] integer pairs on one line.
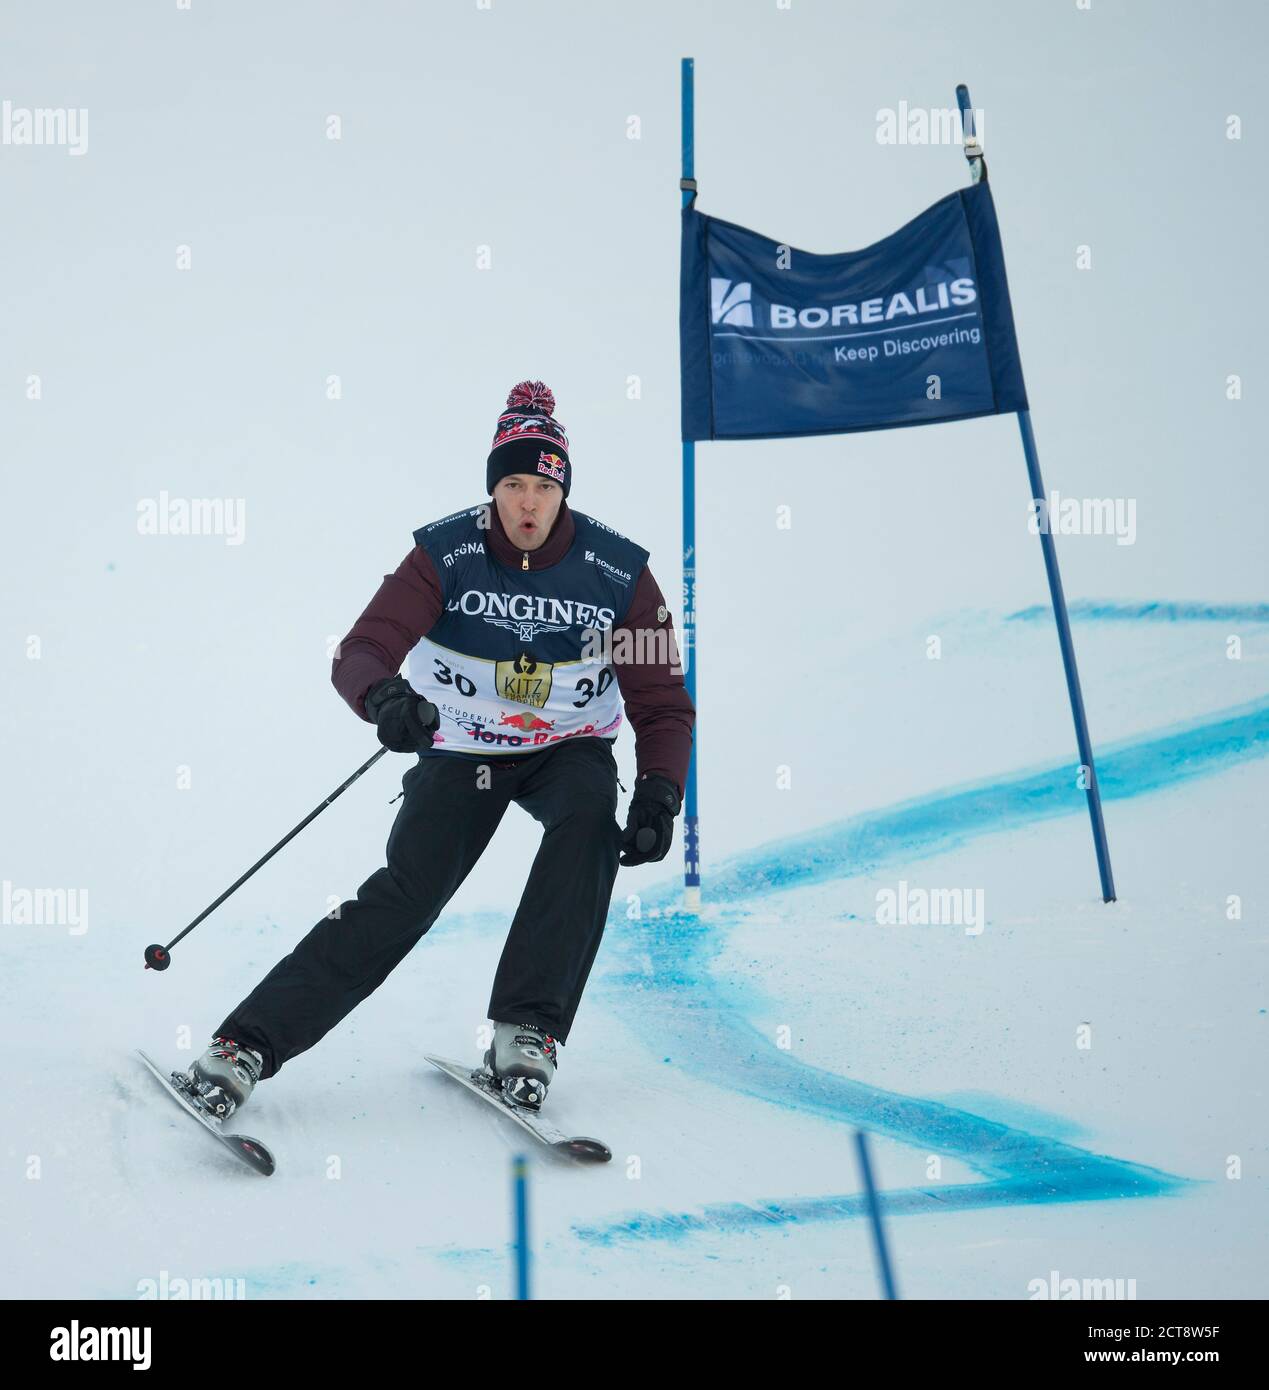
{"points": [[452, 807]]}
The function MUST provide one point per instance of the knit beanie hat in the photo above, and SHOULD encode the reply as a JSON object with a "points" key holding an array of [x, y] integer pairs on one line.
{"points": [[528, 440]]}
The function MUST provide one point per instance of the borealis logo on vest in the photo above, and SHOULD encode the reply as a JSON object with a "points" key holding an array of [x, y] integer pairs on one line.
{"points": [[733, 305], [529, 615], [619, 575]]}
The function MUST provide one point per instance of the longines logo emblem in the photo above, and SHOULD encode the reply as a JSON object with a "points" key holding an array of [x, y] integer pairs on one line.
{"points": [[526, 629]]}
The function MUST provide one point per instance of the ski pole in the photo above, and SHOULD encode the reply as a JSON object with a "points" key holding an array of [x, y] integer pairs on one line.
{"points": [[159, 957]]}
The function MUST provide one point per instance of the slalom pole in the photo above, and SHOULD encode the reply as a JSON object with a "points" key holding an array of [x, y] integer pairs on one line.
{"points": [[691, 645], [978, 172], [160, 957], [520, 1204], [1068, 664], [874, 1215]]}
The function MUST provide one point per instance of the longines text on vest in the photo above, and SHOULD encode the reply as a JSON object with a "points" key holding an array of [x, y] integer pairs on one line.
{"points": [[483, 603]]}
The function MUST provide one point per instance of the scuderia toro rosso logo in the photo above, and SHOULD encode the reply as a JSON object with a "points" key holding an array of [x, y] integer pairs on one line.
{"points": [[529, 615]]}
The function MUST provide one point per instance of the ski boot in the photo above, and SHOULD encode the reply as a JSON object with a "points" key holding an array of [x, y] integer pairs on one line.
{"points": [[223, 1077], [522, 1061]]}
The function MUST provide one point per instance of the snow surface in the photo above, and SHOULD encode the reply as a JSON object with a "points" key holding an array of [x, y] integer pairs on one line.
{"points": [[727, 1060], [174, 717]]}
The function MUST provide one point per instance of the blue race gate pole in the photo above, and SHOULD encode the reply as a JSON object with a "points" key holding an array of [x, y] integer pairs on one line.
{"points": [[874, 1218], [978, 170], [691, 646], [520, 1198], [1068, 662]]}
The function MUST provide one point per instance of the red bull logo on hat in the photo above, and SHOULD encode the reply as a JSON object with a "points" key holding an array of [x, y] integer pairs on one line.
{"points": [[552, 465]]}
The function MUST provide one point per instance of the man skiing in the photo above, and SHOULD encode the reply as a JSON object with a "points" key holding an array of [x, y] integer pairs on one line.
{"points": [[511, 615]]}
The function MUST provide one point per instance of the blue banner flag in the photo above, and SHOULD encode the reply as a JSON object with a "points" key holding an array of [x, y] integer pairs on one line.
{"points": [[914, 329]]}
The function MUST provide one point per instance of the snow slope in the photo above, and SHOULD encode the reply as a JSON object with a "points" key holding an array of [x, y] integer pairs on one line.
{"points": [[728, 1058]]}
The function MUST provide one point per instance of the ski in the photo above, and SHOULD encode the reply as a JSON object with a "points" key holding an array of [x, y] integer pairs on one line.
{"points": [[479, 1082], [249, 1151]]}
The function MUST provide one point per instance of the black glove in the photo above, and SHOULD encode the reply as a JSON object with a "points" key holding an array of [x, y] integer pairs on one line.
{"points": [[650, 820], [406, 721]]}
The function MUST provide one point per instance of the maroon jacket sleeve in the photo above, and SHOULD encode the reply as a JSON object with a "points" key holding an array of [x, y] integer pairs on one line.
{"points": [[650, 678], [405, 608]]}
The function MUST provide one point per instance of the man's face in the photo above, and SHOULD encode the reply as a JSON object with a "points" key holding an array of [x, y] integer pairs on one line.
{"points": [[527, 508]]}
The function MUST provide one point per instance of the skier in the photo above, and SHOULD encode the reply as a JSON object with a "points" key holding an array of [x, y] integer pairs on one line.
{"points": [[510, 696]]}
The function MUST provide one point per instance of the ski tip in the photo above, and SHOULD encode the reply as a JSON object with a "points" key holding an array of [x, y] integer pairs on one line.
{"points": [[255, 1153], [585, 1150]]}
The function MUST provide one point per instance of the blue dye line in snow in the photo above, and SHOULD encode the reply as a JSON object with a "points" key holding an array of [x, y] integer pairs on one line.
{"points": [[661, 970], [733, 1218], [947, 819], [1101, 611]]}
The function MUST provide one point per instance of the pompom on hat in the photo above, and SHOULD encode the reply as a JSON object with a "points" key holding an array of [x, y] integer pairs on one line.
{"points": [[528, 439]]}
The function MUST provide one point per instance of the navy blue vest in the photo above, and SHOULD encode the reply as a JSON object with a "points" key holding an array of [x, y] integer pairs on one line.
{"points": [[518, 660]]}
